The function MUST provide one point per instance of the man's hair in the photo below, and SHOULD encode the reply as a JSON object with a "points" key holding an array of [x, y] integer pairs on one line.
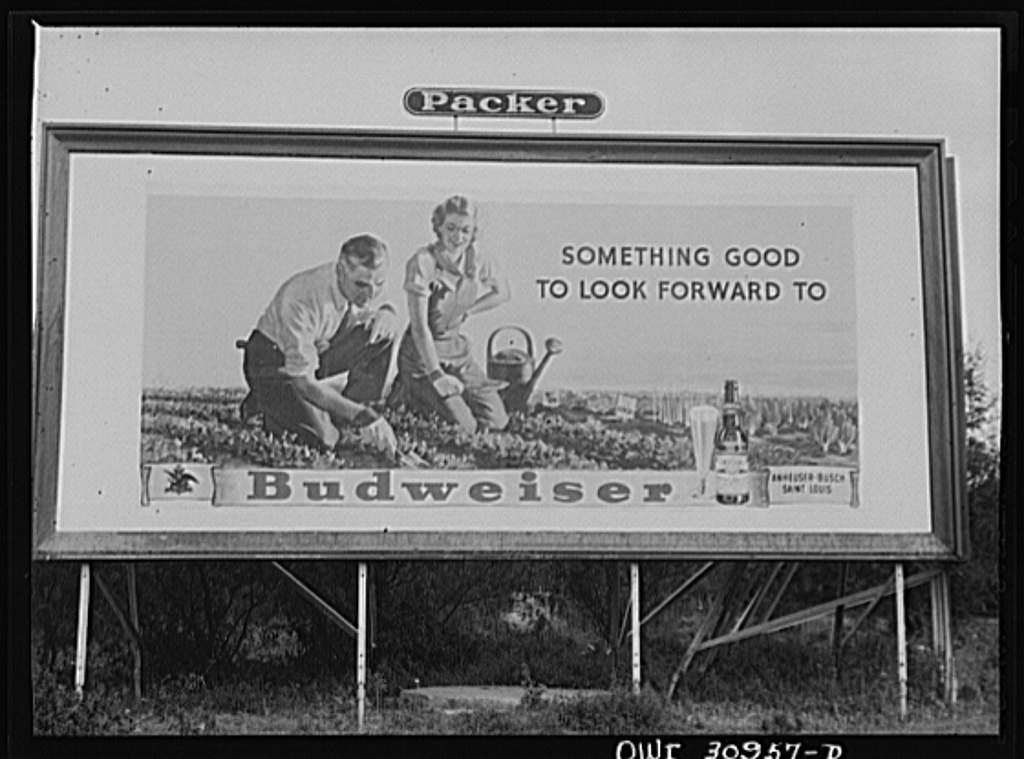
{"points": [[364, 250]]}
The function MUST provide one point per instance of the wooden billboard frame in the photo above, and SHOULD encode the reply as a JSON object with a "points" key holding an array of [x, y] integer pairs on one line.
{"points": [[941, 317]]}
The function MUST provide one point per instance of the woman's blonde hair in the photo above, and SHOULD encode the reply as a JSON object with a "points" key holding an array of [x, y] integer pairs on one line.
{"points": [[459, 204]]}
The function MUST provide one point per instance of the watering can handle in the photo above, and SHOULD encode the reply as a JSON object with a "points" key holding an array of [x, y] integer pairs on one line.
{"points": [[520, 330]]}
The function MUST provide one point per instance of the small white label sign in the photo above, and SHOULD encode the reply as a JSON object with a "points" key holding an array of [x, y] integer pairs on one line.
{"points": [[811, 484]]}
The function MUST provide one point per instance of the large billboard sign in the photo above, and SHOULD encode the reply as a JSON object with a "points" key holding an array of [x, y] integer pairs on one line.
{"points": [[616, 346]]}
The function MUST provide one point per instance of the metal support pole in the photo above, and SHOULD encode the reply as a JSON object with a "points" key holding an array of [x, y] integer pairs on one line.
{"points": [[718, 607], [612, 578], [837, 626], [689, 583], [937, 639], [634, 595], [82, 642], [317, 601], [762, 594], [901, 640], [134, 639], [943, 610], [361, 649], [770, 606], [133, 618], [371, 617]]}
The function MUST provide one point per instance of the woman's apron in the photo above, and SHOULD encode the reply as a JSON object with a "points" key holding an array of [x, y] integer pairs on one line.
{"points": [[452, 294]]}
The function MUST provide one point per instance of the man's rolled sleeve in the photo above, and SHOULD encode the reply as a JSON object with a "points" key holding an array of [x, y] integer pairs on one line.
{"points": [[298, 344]]}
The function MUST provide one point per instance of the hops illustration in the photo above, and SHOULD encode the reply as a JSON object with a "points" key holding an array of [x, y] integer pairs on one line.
{"points": [[824, 431], [847, 437]]}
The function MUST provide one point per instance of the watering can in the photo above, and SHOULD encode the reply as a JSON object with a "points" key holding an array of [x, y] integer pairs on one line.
{"points": [[516, 365]]}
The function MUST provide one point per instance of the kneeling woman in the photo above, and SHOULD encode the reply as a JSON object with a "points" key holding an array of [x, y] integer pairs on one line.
{"points": [[447, 281]]}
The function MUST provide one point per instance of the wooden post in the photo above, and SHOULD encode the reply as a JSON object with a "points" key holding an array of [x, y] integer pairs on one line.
{"points": [[718, 607], [612, 578], [772, 603], [82, 642], [361, 649], [371, 616], [634, 594], [901, 640], [130, 630], [837, 627], [942, 632], [133, 618]]}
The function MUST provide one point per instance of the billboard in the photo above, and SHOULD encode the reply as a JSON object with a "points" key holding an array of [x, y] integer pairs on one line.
{"points": [[666, 347]]}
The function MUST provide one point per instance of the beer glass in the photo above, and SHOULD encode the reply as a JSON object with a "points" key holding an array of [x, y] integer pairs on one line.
{"points": [[703, 424]]}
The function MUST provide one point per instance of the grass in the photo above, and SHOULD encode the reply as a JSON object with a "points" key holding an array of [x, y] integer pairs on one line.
{"points": [[781, 684]]}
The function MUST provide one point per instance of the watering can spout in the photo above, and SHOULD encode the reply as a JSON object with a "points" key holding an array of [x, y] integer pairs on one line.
{"points": [[552, 347], [515, 365]]}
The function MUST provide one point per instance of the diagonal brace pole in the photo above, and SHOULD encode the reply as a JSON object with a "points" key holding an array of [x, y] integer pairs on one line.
{"points": [[688, 583], [122, 617], [718, 608], [311, 595], [799, 617]]}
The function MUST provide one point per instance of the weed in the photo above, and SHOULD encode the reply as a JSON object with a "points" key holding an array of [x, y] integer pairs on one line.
{"points": [[619, 712], [533, 697], [488, 722], [58, 710]]}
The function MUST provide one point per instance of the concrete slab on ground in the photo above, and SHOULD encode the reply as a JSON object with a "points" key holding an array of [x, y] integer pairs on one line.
{"points": [[495, 696]]}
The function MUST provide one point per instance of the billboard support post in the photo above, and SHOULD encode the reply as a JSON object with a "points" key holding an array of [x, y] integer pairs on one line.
{"points": [[948, 663], [311, 595], [614, 640], [129, 623], [634, 595], [837, 626], [133, 619], [82, 640], [686, 586], [709, 623], [716, 630], [361, 649], [371, 615], [942, 634], [901, 639]]}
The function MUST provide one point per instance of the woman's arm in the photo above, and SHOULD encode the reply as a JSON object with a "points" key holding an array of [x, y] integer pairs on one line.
{"points": [[497, 294]]}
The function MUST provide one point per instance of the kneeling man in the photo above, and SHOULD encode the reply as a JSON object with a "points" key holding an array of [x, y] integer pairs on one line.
{"points": [[322, 350]]}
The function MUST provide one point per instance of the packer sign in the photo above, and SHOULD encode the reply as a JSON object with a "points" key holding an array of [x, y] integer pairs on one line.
{"points": [[545, 104]]}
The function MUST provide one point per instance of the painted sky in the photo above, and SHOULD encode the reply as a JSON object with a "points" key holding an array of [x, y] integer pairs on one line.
{"points": [[632, 322]]}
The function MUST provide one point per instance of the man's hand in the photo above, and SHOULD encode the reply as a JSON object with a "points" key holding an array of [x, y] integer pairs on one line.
{"points": [[380, 435], [447, 385], [383, 325]]}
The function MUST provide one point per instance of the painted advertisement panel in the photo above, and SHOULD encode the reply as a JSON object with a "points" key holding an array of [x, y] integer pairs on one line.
{"points": [[529, 337]]}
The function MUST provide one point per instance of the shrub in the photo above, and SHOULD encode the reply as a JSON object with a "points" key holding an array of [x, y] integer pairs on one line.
{"points": [[58, 711], [975, 583], [617, 713], [487, 722]]}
